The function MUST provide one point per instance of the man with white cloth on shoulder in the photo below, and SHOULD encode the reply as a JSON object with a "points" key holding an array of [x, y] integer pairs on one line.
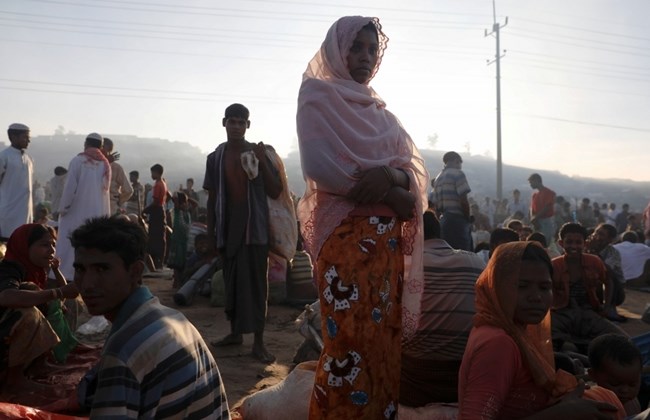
{"points": [[16, 172], [85, 195]]}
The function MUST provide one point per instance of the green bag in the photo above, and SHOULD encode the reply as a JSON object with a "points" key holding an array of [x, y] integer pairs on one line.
{"points": [[62, 329]]}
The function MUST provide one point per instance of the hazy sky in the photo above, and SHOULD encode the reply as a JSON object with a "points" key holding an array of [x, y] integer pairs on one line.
{"points": [[575, 77]]}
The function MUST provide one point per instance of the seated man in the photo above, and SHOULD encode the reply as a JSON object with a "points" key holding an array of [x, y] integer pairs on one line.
{"points": [[481, 220], [600, 243], [155, 363], [431, 358], [497, 237], [578, 314], [635, 260]]}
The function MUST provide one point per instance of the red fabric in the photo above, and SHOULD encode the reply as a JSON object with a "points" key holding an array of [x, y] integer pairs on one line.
{"points": [[496, 299], [159, 193], [541, 198], [594, 275], [18, 251], [96, 154], [63, 381], [494, 382], [21, 412]]}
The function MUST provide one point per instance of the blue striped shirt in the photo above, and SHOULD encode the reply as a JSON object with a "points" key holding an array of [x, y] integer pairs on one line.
{"points": [[447, 311], [448, 187], [155, 364]]}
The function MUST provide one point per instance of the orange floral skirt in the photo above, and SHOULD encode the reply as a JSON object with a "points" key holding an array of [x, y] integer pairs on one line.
{"points": [[360, 279]]}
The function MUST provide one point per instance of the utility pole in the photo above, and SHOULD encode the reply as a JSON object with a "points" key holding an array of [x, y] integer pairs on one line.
{"points": [[497, 59]]}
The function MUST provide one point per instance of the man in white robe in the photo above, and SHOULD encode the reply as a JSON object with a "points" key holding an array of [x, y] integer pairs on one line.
{"points": [[56, 189], [85, 195], [16, 171], [121, 189]]}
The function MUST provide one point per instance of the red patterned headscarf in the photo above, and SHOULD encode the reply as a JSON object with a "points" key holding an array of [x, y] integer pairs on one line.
{"points": [[93, 153], [18, 251]]}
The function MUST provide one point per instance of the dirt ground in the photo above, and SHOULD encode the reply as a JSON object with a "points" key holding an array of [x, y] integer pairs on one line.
{"points": [[243, 375]]}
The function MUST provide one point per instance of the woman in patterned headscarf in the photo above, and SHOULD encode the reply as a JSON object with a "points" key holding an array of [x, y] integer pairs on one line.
{"points": [[361, 222], [508, 369]]}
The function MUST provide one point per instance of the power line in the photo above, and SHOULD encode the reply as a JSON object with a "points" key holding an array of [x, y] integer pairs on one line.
{"points": [[248, 14], [580, 45], [210, 31], [209, 41], [577, 87], [587, 73], [116, 95], [575, 67], [554, 57], [575, 28], [589, 123], [143, 51], [299, 3], [590, 40], [182, 92]]}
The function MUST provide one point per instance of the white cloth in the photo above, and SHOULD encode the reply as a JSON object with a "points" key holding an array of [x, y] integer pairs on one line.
{"points": [[16, 171], [633, 257], [521, 206], [121, 189], [83, 197], [610, 218], [38, 195], [56, 190]]}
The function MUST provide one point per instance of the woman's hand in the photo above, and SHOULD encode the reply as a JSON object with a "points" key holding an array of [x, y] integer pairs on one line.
{"points": [[55, 263], [402, 202], [372, 187], [69, 291]]}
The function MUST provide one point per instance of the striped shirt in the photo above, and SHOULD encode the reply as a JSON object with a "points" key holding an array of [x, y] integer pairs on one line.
{"points": [[154, 365], [448, 187], [447, 302]]}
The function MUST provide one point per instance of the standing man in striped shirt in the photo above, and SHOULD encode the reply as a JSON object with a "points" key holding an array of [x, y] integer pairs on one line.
{"points": [[155, 363], [450, 190]]}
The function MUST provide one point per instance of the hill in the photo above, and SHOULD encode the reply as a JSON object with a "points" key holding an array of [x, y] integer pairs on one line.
{"points": [[182, 160]]}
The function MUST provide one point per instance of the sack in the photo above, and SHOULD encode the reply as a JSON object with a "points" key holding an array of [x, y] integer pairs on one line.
{"points": [[283, 226], [218, 293]]}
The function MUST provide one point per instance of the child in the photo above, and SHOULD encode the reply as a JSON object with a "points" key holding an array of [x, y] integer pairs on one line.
{"points": [[616, 365], [156, 213], [43, 216], [179, 237], [198, 258]]}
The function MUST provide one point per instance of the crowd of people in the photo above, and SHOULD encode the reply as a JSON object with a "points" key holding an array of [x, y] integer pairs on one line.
{"points": [[424, 298]]}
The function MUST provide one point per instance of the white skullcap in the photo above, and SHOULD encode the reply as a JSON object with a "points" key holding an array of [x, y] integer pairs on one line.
{"points": [[18, 126], [95, 136]]}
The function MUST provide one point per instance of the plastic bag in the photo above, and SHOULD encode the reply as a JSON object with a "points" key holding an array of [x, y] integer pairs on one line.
{"points": [[95, 325], [283, 225]]}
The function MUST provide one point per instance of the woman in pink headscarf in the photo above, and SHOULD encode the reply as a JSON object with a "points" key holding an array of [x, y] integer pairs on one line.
{"points": [[361, 218]]}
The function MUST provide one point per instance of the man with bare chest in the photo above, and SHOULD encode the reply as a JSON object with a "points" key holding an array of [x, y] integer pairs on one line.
{"points": [[239, 177]]}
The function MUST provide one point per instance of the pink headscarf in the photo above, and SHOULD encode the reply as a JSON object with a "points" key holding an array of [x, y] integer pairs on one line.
{"points": [[344, 127]]}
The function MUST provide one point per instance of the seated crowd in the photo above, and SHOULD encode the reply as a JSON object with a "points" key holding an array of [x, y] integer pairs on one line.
{"points": [[512, 331]]}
